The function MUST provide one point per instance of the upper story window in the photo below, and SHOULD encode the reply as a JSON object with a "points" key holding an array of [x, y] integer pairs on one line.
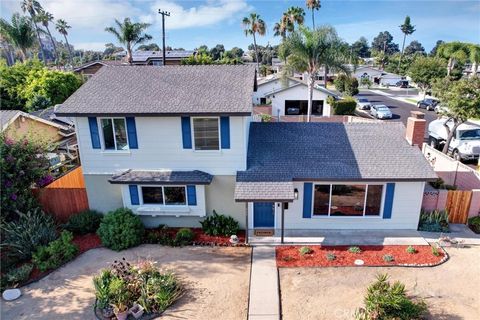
{"points": [[114, 132], [206, 133]]}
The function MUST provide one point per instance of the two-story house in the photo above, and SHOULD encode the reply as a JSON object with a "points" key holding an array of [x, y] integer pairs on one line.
{"points": [[166, 142]]}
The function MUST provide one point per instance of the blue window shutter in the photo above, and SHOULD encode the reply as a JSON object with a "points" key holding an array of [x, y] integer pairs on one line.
{"points": [[134, 199], [92, 122], [132, 133], [387, 207], [307, 200], [186, 133], [225, 132], [192, 195]]}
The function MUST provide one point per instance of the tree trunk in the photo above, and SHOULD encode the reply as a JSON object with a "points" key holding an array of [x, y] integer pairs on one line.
{"points": [[311, 81], [450, 65], [313, 18], [451, 133], [39, 40], [474, 70], [53, 43], [401, 55], [129, 54], [325, 76], [23, 53], [69, 50], [256, 52]]}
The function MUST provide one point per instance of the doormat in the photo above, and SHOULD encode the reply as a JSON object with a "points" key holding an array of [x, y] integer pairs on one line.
{"points": [[264, 232]]}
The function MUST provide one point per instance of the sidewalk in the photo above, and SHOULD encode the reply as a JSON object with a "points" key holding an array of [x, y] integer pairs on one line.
{"points": [[264, 300]]}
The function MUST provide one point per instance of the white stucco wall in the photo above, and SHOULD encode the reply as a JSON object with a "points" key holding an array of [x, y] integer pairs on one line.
{"points": [[298, 92], [160, 147], [265, 88], [407, 203]]}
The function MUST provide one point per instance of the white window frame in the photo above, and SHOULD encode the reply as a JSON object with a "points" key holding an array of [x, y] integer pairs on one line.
{"points": [[380, 215], [219, 134], [164, 205], [114, 137]]}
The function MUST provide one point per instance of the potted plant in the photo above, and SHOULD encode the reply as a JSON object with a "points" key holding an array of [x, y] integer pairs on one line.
{"points": [[137, 310], [120, 310], [120, 298]]}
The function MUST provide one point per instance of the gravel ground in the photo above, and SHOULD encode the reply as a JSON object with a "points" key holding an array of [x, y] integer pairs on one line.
{"points": [[451, 290], [216, 279]]}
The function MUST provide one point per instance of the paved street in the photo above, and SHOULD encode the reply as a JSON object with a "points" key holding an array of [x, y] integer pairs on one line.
{"points": [[401, 110]]}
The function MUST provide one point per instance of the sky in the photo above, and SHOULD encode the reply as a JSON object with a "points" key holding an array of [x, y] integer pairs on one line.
{"points": [[211, 22]]}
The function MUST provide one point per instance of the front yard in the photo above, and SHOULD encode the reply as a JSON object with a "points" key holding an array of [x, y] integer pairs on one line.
{"points": [[450, 290], [216, 281]]}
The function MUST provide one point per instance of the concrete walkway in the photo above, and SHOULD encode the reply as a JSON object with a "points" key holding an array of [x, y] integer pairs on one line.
{"points": [[344, 237], [264, 300], [459, 232]]}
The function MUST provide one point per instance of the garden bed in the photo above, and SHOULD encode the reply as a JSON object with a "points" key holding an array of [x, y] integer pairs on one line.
{"points": [[201, 239], [290, 256]]}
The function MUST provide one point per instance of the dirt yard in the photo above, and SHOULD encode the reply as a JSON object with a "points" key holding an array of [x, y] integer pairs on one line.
{"points": [[451, 290], [216, 278]]}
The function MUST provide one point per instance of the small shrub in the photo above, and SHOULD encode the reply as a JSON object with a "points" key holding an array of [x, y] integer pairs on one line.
{"points": [[388, 258], [411, 250], [354, 250], [56, 252], [219, 225], [440, 184], [434, 221], [305, 250], [435, 251], [20, 274], [287, 258], [32, 229], [389, 301], [474, 224], [160, 235], [184, 236], [266, 117], [121, 229], [84, 222], [331, 256]]}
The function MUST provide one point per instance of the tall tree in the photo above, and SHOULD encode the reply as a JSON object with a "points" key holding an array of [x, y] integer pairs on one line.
{"points": [[217, 51], [130, 34], [313, 5], [462, 99], [474, 58], [425, 70], [311, 49], [253, 25], [433, 52], [294, 16], [280, 28], [453, 51], [407, 29], [414, 47], [383, 42], [45, 18], [19, 32], [361, 48], [33, 7], [62, 27], [149, 47]]}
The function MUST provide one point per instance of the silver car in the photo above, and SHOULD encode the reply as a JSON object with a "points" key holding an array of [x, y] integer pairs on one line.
{"points": [[380, 111]]}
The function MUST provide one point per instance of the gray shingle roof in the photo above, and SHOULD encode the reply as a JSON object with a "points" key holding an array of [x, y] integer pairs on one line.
{"points": [[6, 116], [162, 177], [332, 151], [168, 90], [264, 191]]}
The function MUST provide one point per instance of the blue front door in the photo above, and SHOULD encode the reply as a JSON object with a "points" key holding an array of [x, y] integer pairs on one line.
{"points": [[263, 215]]}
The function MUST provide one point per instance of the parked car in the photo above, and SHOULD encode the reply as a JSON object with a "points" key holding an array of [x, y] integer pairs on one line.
{"points": [[402, 84], [363, 104], [428, 104], [465, 144], [293, 111], [381, 111]]}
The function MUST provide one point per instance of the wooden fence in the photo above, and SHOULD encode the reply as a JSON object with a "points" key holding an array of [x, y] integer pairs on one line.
{"points": [[65, 196], [458, 205]]}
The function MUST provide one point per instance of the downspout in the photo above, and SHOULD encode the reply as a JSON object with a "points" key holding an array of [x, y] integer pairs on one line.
{"points": [[246, 223]]}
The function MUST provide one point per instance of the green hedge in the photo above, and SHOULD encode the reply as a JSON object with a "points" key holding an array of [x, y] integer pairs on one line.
{"points": [[344, 107]]}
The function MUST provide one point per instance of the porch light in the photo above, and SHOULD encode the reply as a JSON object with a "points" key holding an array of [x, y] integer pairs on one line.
{"points": [[295, 194]]}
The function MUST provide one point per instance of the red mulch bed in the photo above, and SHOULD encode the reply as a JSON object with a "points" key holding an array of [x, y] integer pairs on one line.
{"points": [[84, 243], [201, 239], [289, 256]]}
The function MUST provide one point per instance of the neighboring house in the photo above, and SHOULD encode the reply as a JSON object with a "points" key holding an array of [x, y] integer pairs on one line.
{"points": [[371, 73], [155, 58], [290, 97], [333, 176], [166, 142], [175, 143], [90, 68]]}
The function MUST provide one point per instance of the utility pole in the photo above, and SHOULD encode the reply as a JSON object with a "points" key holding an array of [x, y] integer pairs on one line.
{"points": [[163, 13]]}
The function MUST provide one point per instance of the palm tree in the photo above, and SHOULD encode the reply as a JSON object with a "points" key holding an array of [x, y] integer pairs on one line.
{"points": [[130, 34], [33, 7], [311, 49], [45, 18], [19, 32], [280, 28], [454, 52], [62, 28], [407, 29], [313, 5], [253, 25], [294, 15]]}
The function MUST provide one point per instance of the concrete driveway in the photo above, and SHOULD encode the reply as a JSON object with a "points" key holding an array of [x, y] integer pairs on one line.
{"points": [[216, 280], [450, 290]]}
